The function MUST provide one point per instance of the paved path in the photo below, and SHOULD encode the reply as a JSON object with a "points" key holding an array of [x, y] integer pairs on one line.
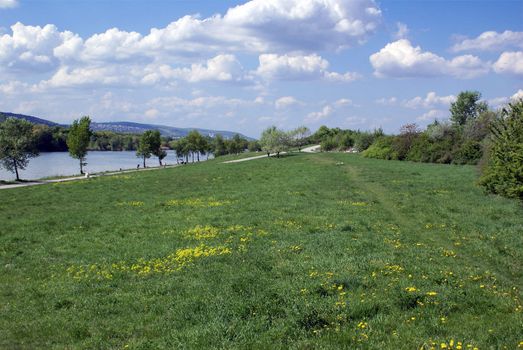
{"points": [[311, 149], [76, 178]]}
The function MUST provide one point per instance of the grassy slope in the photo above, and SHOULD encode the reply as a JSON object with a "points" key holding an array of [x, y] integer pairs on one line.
{"points": [[328, 255]]}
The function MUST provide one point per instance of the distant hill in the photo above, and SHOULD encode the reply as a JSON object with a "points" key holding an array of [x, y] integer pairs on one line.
{"points": [[34, 120], [129, 127]]}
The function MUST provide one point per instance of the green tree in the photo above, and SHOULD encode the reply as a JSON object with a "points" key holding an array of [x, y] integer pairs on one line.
{"points": [[467, 106], [299, 136], [156, 146], [17, 144], [219, 146], [149, 143], [503, 172], [274, 140], [78, 140]]}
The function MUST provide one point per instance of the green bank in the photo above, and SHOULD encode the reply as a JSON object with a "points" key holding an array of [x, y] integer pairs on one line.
{"points": [[305, 251]]}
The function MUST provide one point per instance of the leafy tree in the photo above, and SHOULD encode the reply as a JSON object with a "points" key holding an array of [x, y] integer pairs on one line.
{"points": [[467, 106], [17, 144], [149, 143], [403, 142], [219, 146], [274, 140], [78, 140], [254, 146], [299, 136], [503, 173], [156, 146]]}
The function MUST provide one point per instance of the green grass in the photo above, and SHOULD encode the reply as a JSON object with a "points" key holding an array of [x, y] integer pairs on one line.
{"points": [[306, 251]]}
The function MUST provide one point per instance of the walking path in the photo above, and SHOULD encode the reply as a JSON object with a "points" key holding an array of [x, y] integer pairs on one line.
{"points": [[311, 149], [76, 178]]}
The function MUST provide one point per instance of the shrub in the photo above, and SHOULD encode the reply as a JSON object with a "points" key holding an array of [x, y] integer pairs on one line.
{"points": [[382, 148], [503, 172]]}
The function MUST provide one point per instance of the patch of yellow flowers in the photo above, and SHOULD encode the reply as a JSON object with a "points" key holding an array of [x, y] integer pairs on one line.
{"points": [[197, 202]]}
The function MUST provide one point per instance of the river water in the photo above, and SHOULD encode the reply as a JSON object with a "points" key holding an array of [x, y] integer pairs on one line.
{"points": [[61, 164]]}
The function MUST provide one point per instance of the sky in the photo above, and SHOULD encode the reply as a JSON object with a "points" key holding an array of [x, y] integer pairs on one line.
{"points": [[246, 65]]}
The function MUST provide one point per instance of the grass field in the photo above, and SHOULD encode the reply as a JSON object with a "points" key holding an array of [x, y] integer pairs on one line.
{"points": [[306, 251]]}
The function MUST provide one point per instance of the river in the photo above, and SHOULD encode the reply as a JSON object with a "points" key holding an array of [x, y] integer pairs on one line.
{"points": [[61, 164]]}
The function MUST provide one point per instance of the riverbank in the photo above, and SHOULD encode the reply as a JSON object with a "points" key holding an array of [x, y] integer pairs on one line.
{"points": [[14, 184]]}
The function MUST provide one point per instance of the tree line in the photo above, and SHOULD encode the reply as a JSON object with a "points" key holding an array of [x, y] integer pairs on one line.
{"points": [[474, 134], [21, 140]]}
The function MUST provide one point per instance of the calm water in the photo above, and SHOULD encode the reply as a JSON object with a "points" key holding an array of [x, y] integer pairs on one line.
{"points": [[61, 164]]}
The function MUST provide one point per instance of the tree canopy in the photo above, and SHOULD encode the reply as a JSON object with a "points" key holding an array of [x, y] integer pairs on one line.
{"points": [[78, 140], [17, 144]]}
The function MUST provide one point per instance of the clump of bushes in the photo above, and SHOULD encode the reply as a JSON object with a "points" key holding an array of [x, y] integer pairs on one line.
{"points": [[503, 169]]}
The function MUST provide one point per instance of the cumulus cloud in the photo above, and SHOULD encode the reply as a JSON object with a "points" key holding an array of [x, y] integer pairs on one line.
{"points": [[285, 102], [6, 4], [430, 101], [510, 63], [298, 67], [257, 26], [433, 114], [490, 41], [315, 117], [390, 101], [219, 68], [400, 59], [501, 101], [402, 31]]}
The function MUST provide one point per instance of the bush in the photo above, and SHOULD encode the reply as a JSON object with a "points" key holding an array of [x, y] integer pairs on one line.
{"points": [[364, 140], [382, 148], [503, 172]]}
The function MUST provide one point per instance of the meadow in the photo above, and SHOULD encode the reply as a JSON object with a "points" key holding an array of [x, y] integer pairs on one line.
{"points": [[306, 251]]}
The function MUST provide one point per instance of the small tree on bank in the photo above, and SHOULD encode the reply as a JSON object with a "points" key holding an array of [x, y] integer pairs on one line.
{"points": [[149, 143], [274, 140], [78, 140], [16, 144]]}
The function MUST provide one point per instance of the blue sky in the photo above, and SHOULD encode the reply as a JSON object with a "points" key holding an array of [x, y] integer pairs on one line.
{"points": [[246, 65]]}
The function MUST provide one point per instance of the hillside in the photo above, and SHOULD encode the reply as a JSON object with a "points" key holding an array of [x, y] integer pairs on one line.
{"points": [[308, 251], [129, 127]]}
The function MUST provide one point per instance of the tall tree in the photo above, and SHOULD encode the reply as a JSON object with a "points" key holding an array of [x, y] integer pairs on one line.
{"points": [[17, 144], [219, 146], [148, 145], [467, 106], [78, 140], [156, 146]]}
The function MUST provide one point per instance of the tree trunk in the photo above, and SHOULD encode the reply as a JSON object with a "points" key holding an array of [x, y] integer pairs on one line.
{"points": [[16, 170], [160, 161], [268, 154], [81, 167], [198, 155], [144, 161]]}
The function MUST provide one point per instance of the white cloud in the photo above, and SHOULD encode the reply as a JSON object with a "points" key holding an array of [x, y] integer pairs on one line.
{"points": [[402, 31], [430, 101], [517, 96], [343, 102], [498, 102], [6, 4], [219, 68], [298, 67], [491, 41], [315, 117], [433, 114], [391, 101], [400, 59], [510, 63], [257, 26], [285, 102]]}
